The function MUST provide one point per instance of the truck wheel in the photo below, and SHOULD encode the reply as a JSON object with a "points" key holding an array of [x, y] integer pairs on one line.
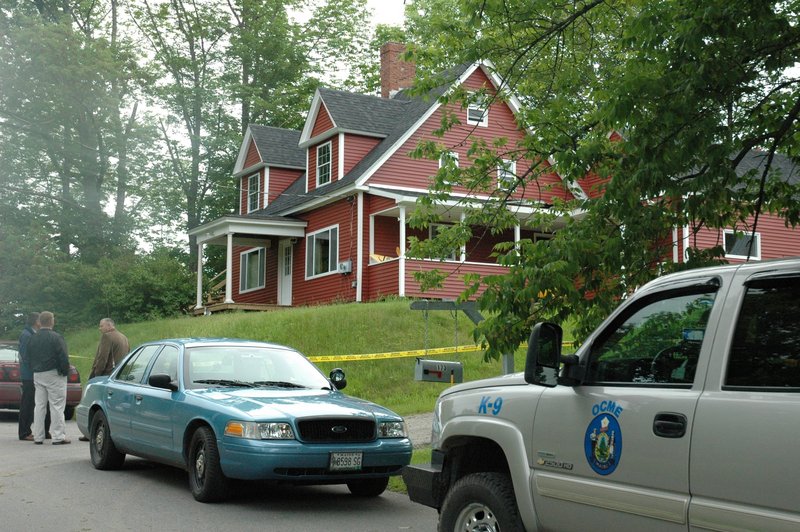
{"points": [[481, 502]]}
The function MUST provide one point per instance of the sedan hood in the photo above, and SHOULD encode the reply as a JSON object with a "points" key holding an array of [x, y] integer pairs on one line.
{"points": [[270, 404]]}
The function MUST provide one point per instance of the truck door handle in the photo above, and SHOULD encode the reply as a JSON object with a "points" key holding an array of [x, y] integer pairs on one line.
{"points": [[669, 425]]}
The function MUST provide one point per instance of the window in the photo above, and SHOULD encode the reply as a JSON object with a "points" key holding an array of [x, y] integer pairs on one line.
{"points": [[453, 253], [133, 371], [478, 112], [167, 363], [324, 164], [448, 158], [656, 342], [737, 245], [253, 266], [322, 252], [765, 352], [506, 174], [253, 191]]}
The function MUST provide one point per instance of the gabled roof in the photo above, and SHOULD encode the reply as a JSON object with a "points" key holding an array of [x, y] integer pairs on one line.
{"points": [[276, 147], [783, 167]]}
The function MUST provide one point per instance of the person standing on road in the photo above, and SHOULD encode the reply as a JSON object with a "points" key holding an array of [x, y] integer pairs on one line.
{"points": [[27, 397], [113, 347], [47, 353]]}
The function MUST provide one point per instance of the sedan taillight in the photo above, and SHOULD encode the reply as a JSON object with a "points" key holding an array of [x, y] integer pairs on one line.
{"points": [[73, 376]]}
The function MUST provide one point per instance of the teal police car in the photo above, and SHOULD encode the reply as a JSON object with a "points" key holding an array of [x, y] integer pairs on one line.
{"points": [[226, 409]]}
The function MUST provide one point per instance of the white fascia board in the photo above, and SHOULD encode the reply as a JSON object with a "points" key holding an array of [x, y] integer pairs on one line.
{"points": [[338, 131], [311, 118], [252, 169], [574, 187], [240, 159], [221, 227]]}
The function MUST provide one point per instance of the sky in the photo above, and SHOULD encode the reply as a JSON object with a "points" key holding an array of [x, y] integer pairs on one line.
{"points": [[386, 11]]}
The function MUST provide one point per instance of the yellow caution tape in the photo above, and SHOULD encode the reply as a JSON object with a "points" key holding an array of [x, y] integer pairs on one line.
{"points": [[406, 354]]}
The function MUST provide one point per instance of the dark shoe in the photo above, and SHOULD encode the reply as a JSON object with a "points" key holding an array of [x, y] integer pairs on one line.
{"points": [[29, 437], [62, 442], [83, 438], [48, 437], [38, 442]]}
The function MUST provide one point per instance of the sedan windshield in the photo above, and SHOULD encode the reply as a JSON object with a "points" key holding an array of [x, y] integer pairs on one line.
{"points": [[246, 366]]}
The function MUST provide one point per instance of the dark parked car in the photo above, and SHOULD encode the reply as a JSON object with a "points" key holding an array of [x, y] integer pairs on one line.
{"points": [[235, 409], [11, 386]]}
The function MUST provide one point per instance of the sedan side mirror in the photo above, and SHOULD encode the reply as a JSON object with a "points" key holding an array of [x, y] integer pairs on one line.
{"points": [[338, 378], [162, 380]]}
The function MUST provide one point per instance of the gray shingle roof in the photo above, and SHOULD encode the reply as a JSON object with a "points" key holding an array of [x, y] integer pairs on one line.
{"points": [[783, 167], [360, 112], [278, 146]]}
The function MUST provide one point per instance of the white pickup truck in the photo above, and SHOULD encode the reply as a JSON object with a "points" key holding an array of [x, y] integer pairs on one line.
{"points": [[680, 412]]}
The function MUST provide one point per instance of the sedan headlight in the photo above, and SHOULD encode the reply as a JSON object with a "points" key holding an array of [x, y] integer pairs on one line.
{"points": [[392, 429], [259, 431]]}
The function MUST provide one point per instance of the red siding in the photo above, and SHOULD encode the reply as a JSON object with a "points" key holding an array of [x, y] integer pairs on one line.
{"points": [[402, 170], [453, 283], [266, 295], [387, 236], [252, 156], [356, 147], [777, 240], [382, 279], [312, 162], [323, 122], [378, 204], [280, 179], [335, 286], [244, 191]]}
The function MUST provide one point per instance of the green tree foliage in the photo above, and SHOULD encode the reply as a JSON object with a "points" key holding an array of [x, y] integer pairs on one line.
{"points": [[690, 88]]}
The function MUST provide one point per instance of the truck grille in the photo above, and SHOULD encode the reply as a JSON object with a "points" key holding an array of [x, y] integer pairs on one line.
{"points": [[336, 430]]}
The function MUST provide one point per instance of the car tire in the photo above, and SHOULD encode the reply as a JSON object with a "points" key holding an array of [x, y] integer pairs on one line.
{"points": [[69, 411], [103, 452], [481, 501], [371, 487], [206, 479]]}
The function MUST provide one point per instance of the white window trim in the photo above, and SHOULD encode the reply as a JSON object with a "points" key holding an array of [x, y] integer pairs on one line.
{"points": [[243, 270], [507, 166], [480, 106], [251, 193], [756, 249], [453, 155], [329, 144], [335, 264]]}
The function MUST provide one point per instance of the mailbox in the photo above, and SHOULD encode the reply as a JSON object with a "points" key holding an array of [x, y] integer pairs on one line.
{"points": [[438, 371]]}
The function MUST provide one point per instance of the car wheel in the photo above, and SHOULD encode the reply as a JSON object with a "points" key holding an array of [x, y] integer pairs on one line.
{"points": [[103, 452], [206, 479], [371, 487], [481, 502], [68, 412]]}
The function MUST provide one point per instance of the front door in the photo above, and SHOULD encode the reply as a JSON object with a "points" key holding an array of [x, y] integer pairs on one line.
{"points": [[285, 272], [615, 450]]}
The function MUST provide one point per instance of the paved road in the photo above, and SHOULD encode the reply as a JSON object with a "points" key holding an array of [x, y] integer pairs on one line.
{"points": [[55, 488]]}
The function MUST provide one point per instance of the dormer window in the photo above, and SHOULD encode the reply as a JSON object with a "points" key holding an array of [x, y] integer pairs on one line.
{"points": [[324, 164], [478, 112], [253, 191], [506, 174]]}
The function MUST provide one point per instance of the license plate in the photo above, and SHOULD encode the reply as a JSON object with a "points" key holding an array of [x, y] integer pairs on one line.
{"points": [[345, 462]]}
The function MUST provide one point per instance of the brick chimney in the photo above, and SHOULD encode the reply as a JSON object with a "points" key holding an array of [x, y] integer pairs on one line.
{"points": [[396, 74]]}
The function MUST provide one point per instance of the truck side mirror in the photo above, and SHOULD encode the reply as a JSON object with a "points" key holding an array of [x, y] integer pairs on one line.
{"points": [[544, 354]]}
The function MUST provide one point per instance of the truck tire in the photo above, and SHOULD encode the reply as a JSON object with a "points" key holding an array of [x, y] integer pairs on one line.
{"points": [[481, 502]]}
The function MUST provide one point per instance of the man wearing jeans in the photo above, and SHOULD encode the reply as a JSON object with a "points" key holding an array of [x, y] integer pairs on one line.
{"points": [[47, 353]]}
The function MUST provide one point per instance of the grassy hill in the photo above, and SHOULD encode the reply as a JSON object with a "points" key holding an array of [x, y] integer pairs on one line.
{"points": [[342, 329]]}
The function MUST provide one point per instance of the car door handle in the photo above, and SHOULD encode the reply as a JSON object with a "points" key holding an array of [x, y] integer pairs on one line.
{"points": [[669, 425]]}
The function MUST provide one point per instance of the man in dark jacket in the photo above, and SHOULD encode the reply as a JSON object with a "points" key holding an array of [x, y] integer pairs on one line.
{"points": [[26, 402], [112, 349], [47, 352]]}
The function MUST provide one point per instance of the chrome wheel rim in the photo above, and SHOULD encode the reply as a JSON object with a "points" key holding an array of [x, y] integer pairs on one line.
{"points": [[100, 437], [200, 465], [476, 517]]}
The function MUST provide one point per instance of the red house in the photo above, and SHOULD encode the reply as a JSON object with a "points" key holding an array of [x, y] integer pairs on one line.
{"points": [[322, 214]]}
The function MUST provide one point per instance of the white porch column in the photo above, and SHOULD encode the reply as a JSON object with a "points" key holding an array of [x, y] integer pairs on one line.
{"points": [[517, 237], [463, 257], [229, 270], [199, 276], [360, 246], [401, 286]]}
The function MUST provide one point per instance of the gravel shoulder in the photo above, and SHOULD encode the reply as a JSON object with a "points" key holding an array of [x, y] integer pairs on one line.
{"points": [[419, 429]]}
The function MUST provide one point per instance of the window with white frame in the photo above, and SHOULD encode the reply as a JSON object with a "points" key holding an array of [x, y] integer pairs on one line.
{"points": [[252, 270], [253, 191], [433, 232], [737, 245], [448, 158], [506, 174], [322, 252], [324, 164], [478, 112]]}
